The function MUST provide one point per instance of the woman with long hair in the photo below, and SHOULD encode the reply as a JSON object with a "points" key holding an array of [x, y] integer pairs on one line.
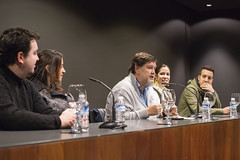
{"points": [[47, 79]]}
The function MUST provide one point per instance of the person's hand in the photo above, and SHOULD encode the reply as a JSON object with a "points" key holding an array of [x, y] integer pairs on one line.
{"points": [[226, 110], [154, 109], [72, 104], [67, 118], [173, 111], [207, 87]]}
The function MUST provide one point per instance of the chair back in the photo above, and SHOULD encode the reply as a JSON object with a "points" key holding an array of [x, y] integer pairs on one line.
{"points": [[97, 115]]}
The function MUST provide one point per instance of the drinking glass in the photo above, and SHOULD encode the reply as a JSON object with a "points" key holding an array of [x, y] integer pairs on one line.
{"points": [[237, 97], [211, 98], [78, 95], [76, 92], [168, 104]]}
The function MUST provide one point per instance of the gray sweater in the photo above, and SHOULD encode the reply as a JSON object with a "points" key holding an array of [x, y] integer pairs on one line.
{"points": [[135, 108]]}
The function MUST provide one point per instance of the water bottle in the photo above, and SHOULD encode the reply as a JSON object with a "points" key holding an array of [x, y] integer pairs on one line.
{"points": [[81, 123], [85, 115], [84, 112], [206, 109], [77, 126], [120, 110], [233, 108]]}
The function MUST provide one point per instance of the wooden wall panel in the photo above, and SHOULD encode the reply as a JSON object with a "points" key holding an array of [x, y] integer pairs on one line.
{"points": [[143, 145], [171, 143], [201, 142], [129, 146], [105, 147], [156, 147], [185, 142], [48, 151], [226, 140]]}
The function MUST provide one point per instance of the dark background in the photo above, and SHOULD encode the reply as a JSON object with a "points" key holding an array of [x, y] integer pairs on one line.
{"points": [[99, 38]]}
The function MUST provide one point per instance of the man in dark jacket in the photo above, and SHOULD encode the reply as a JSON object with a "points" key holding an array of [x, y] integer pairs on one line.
{"points": [[188, 103], [21, 106]]}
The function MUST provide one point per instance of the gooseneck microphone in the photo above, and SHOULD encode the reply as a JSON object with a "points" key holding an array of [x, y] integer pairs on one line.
{"points": [[112, 124], [98, 81], [197, 115]]}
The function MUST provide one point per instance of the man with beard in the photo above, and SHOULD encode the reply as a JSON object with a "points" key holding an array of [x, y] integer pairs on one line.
{"points": [[187, 105], [140, 99]]}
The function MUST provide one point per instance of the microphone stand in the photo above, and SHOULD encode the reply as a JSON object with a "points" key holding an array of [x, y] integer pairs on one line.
{"points": [[197, 115], [112, 124]]}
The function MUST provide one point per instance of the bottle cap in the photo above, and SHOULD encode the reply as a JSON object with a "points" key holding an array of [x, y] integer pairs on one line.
{"points": [[205, 98], [120, 97]]}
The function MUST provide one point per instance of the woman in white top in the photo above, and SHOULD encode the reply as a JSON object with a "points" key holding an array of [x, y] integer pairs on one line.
{"points": [[163, 76]]}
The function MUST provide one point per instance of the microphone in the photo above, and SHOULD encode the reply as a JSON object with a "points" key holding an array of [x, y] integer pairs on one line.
{"points": [[98, 81], [112, 124], [197, 115]]}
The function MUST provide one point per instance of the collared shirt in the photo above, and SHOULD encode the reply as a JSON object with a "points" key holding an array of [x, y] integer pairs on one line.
{"points": [[143, 94]]}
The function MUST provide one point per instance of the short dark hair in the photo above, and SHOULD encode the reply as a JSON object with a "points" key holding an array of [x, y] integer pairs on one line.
{"points": [[15, 40], [207, 67], [140, 59]]}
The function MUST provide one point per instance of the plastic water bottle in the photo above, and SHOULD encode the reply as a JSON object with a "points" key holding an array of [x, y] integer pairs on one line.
{"points": [[206, 109], [120, 110], [85, 115], [84, 112], [81, 123], [233, 108], [77, 127]]}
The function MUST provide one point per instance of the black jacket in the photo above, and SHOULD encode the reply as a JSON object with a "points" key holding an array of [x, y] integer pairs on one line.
{"points": [[22, 107], [55, 99]]}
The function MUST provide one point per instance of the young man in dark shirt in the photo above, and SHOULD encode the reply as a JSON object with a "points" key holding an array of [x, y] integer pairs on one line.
{"points": [[21, 106]]}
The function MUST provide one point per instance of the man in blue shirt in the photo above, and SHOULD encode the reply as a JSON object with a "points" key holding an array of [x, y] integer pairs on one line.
{"points": [[140, 98]]}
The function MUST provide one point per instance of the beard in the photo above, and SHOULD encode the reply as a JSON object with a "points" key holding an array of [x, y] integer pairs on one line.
{"points": [[148, 82]]}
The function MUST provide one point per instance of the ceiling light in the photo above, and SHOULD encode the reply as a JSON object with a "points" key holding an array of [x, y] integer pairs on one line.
{"points": [[209, 5]]}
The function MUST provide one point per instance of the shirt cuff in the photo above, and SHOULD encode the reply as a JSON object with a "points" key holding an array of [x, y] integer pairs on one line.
{"points": [[143, 114]]}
